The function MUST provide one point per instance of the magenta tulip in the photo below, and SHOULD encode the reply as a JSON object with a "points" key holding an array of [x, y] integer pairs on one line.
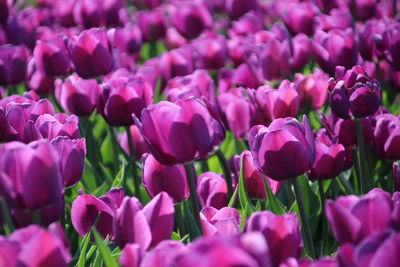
{"points": [[13, 64], [223, 222]]}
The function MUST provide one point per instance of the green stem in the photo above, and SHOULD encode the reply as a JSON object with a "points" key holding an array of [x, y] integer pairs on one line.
{"points": [[191, 176], [113, 144], [304, 220], [204, 166], [227, 172], [343, 181], [8, 225], [361, 157], [179, 219], [136, 178], [324, 223]]}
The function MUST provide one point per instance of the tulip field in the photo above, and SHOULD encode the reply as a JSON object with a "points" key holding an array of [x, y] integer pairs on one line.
{"points": [[191, 133]]}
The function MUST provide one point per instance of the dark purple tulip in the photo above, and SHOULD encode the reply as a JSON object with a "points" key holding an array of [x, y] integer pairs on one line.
{"points": [[72, 153], [210, 53], [62, 12], [90, 53], [354, 94], [239, 48], [246, 77], [131, 224], [284, 150], [281, 232], [274, 57], [33, 246], [58, 125], [159, 213], [299, 17], [370, 39], [38, 81], [223, 222], [353, 218], [84, 212], [335, 48], [301, 51], [127, 39], [212, 190], [152, 24], [31, 176], [164, 254], [330, 158], [76, 95], [51, 57], [150, 4], [191, 19], [175, 63], [198, 84], [236, 8], [89, 13], [131, 255], [365, 10], [4, 11], [22, 27], [336, 19], [391, 42], [13, 64], [158, 178], [193, 129], [312, 89], [139, 145], [253, 179], [396, 176], [278, 103], [386, 136], [119, 99], [345, 131]]}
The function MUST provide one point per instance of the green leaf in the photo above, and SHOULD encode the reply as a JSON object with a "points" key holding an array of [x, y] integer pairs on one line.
{"points": [[190, 222], [244, 198], [120, 178], [104, 250], [233, 198], [274, 203], [107, 151], [84, 245]]}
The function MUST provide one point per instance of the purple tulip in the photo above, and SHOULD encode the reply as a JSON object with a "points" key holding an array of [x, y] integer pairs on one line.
{"points": [[62, 11], [312, 89], [159, 213], [13, 64], [396, 176], [177, 62], [354, 94], [391, 42], [245, 76], [330, 158], [223, 222], [89, 13], [253, 179], [299, 17], [31, 177], [131, 255], [38, 81], [58, 125], [127, 39], [236, 8], [150, 4], [164, 254], [336, 19], [77, 96], [249, 23], [194, 130], [353, 218], [51, 57], [280, 103], [301, 51], [274, 56], [284, 150], [198, 84], [212, 190], [281, 232], [90, 53], [120, 98], [239, 47], [211, 53], [191, 19], [173, 39], [152, 24], [386, 135], [158, 178], [139, 145], [72, 153], [34, 246], [370, 39], [4, 11], [21, 28], [335, 48]]}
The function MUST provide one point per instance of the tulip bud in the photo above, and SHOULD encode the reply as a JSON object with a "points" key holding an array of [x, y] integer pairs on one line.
{"points": [[13, 64], [190, 122], [276, 147], [90, 53], [212, 190]]}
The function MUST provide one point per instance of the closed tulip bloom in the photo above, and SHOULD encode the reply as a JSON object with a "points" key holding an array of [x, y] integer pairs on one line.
{"points": [[34, 246], [284, 150], [58, 125], [131, 224], [38, 81], [370, 39], [150, 4], [90, 53], [194, 130], [164, 254], [31, 176], [153, 25], [176, 62], [223, 222], [159, 213], [396, 176], [312, 89], [391, 42], [212, 190], [250, 23], [246, 77], [336, 19], [131, 255], [301, 51], [89, 13], [278, 103], [354, 94], [210, 53], [51, 57], [330, 158], [335, 48], [4, 11], [191, 19], [158, 178], [13, 64], [386, 136], [299, 17], [127, 39], [117, 102], [139, 145], [21, 28], [253, 178], [274, 57], [72, 153], [236, 8], [353, 218], [281, 232]]}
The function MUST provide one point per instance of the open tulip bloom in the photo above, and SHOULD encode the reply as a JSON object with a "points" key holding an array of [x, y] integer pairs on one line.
{"points": [[213, 133]]}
